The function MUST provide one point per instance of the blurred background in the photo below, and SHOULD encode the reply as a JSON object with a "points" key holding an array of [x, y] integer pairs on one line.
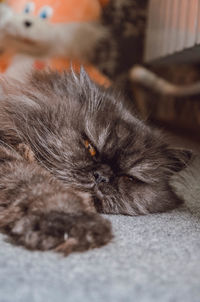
{"points": [[109, 37]]}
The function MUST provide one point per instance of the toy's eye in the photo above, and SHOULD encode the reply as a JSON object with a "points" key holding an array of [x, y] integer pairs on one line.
{"points": [[46, 12], [29, 8], [90, 148]]}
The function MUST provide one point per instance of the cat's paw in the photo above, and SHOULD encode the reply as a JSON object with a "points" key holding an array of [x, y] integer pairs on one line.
{"points": [[62, 232], [86, 231], [29, 232]]}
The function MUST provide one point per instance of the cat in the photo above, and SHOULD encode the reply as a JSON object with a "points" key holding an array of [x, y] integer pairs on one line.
{"points": [[69, 150]]}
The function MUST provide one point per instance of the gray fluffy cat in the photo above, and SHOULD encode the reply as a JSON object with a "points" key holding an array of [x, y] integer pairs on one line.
{"points": [[70, 150]]}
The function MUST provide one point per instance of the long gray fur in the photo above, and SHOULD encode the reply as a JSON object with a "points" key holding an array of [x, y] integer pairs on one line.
{"points": [[153, 258]]}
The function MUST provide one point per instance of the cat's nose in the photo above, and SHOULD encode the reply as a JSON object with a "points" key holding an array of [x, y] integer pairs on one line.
{"points": [[99, 177], [102, 174]]}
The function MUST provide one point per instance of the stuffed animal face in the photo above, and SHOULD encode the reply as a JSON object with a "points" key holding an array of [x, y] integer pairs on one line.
{"points": [[32, 30], [52, 31], [29, 34]]}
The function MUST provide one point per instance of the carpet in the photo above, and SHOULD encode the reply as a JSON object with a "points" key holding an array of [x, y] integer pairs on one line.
{"points": [[152, 258]]}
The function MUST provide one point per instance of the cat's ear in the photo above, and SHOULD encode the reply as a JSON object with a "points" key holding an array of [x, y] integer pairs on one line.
{"points": [[178, 158]]}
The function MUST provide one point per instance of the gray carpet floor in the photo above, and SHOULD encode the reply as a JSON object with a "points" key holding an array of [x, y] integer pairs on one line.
{"points": [[152, 258]]}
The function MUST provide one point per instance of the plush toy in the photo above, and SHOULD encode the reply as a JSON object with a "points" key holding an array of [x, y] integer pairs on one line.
{"points": [[49, 33]]}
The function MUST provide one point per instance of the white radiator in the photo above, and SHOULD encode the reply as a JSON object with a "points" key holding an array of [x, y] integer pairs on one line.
{"points": [[173, 28]]}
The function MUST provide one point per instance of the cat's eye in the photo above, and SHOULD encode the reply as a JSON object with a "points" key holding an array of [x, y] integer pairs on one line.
{"points": [[46, 12], [90, 148], [128, 178], [29, 8]]}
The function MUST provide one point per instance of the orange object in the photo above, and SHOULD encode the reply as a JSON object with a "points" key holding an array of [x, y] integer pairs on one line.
{"points": [[62, 11], [5, 61]]}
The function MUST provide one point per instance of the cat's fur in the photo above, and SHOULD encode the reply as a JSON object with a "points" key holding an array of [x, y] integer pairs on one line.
{"points": [[51, 187]]}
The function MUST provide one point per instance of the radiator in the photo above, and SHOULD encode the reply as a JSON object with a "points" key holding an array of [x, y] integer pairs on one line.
{"points": [[173, 31]]}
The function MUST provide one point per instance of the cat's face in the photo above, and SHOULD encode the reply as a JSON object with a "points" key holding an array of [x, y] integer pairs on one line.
{"points": [[87, 138]]}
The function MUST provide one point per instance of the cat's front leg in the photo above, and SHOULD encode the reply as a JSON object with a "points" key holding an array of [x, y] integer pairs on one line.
{"points": [[39, 212]]}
